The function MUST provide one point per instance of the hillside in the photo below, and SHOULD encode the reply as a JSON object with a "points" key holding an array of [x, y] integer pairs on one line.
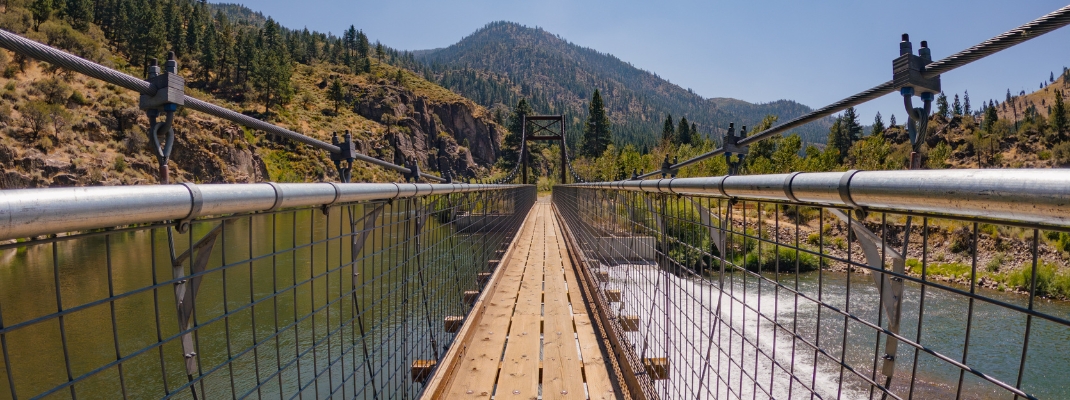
{"points": [[503, 62], [58, 128], [1022, 136]]}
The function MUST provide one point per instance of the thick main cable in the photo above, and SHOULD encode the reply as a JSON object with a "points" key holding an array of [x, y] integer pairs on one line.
{"points": [[35, 50], [1050, 22]]}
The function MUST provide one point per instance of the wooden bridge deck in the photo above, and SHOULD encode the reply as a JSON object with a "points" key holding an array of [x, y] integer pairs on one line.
{"points": [[530, 333]]}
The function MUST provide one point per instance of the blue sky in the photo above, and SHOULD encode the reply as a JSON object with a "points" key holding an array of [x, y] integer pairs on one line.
{"points": [[814, 52]]}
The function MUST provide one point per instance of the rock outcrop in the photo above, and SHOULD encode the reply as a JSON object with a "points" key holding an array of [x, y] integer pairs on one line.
{"points": [[438, 135]]}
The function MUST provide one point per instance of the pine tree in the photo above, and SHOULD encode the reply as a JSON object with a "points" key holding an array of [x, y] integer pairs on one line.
{"points": [[683, 132], [1008, 96], [891, 121], [878, 125], [838, 139], [271, 70], [941, 106], [193, 29], [227, 48], [379, 51], [851, 125], [147, 38], [79, 13], [1057, 116], [695, 138], [349, 41], [511, 144], [966, 110], [41, 10], [990, 118], [668, 131], [121, 30], [956, 107], [1051, 76], [363, 46], [209, 51], [176, 33], [336, 94], [596, 133]]}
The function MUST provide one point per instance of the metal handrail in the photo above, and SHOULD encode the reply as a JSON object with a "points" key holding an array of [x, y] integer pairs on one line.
{"points": [[1026, 195], [33, 212]]}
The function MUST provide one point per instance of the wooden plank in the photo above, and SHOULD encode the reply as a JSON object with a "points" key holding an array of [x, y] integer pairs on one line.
{"points": [[471, 364], [617, 361], [453, 323], [629, 323], [562, 372], [519, 376], [657, 368], [421, 369], [595, 367], [573, 283], [613, 295], [533, 304]]}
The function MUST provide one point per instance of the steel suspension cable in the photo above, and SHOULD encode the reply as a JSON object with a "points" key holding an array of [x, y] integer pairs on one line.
{"points": [[35, 50], [1050, 22]]}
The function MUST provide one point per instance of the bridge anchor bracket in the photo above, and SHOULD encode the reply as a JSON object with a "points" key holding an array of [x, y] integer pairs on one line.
{"points": [[890, 288], [170, 93]]}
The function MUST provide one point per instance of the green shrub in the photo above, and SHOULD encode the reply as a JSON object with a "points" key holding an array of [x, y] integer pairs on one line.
{"points": [[951, 269], [813, 239], [78, 98], [800, 214], [120, 163], [1050, 281], [1044, 155], [997, 261], [1061, 152], [54, 90], [783, 259], [44, 143], [840, 243], [913, 265]]}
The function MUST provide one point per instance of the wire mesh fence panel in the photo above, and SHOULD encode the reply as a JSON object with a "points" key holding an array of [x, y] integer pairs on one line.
{"points": [[342, 301], [733, 298]]}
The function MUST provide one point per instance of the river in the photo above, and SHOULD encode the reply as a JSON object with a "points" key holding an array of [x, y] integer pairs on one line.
{"points": [[995, 345], [313, 309]]}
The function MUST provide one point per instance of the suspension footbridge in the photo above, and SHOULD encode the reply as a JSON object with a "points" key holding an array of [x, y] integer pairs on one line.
{"points": [[800, 285]]}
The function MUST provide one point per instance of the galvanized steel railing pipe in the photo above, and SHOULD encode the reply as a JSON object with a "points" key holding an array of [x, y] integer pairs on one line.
{"points": [[33, 212], [71, 62], [1025, 195], [1055, 20]]}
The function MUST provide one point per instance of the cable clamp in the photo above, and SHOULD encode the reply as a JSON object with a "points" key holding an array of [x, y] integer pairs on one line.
{"points": [[326, 208], [278, 196], [197, 202], [787, 187], [844, 188]]}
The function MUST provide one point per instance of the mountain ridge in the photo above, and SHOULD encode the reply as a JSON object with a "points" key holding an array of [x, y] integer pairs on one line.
{"points": [[558, 76]]}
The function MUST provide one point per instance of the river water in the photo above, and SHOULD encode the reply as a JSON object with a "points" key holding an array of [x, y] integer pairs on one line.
{"points": [[319, 340], [310, 283], [995, 342]]}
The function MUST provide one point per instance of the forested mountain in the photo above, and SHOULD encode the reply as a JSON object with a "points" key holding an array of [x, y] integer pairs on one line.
{"points": [[61, 128], [503, 62]]}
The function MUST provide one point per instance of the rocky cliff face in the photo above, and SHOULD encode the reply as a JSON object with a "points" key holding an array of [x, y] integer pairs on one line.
{"points": [[440, 135]]}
